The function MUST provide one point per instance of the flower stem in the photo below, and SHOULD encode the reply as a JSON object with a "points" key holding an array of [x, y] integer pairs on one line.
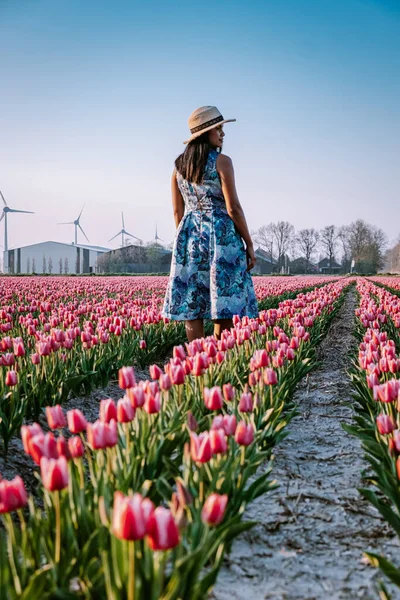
{"points": [[131, 571], [58, 527], [11, 543]]}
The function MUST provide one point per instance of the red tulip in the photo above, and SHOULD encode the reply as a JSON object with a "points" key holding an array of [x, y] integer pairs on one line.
{"points": [[125, 411], [12, 495], [55, 417], [152, 403], [35, 358], [11, 378], [228, 391], [162, 531], [213, 398], [76, 447], [62, 447], [136, 396], [76, 421], [218, 442], [200, 447], [246, 402], [213, 510], [102, 435], [54, 473], [126, 378], [19, 349], [270, 377], [178, 352], [229, 424], [384, 424], [244, 434], [28, 432], [155, 372], [142, 344], [177, 375], [165, 382], [128, 518], [108, 410]]}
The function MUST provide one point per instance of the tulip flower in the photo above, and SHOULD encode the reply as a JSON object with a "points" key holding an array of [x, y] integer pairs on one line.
{"points": [[12, 495], [28, 432], [76, 447], [128, 518], [214, 508], [244, 434], [54, 473], [162, 531], [76, 421], [229, 424], [125, 411], [200, 447], [11, 378], [218, 441], [384, 424], [155, 372], [192, 423], [177, 375], [102, 435], [126, 378], [62, 447], [165, 382], [213, 398], [228, 391], [270, 377], [35, 358], [55, 417], [152, 403], [136, 396], [178, 352], [108, 410], [246, 402]]}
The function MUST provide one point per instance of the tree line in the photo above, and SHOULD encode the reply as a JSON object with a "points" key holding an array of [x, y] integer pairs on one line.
{"points": [[359, 244]]}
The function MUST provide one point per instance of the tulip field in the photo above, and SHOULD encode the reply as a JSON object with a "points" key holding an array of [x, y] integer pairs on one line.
{"points": [[144, 502]]}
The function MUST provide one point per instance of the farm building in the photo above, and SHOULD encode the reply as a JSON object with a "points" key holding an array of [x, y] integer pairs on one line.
{"points": [[54, 257], [328, 268], [265, 263]]}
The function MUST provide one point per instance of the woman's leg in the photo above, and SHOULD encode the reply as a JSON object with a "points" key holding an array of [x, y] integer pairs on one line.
{"points": [[220, 325], [194, 329]]}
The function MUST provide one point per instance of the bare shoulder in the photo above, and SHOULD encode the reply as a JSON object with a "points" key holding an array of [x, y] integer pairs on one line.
{"points": [[224, 163]]}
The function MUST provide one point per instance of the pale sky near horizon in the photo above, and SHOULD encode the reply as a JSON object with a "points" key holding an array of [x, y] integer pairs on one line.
{"points": [[95, 98]]}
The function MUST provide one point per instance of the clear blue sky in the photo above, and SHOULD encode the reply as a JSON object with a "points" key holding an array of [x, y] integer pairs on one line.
{"points": [[95, 97]]}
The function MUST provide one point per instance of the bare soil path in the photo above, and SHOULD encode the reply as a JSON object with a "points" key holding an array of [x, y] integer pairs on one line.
{"points": [[313, 530]]}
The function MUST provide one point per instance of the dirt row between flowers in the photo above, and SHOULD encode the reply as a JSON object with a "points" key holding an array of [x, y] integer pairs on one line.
{"points": [[313, 529]]}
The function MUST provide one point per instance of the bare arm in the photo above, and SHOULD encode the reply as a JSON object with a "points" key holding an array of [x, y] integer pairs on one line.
{"points": [[177, 200]]}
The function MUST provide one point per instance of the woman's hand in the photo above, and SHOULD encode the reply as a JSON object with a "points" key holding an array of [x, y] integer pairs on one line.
{"points": [[251, 258]]}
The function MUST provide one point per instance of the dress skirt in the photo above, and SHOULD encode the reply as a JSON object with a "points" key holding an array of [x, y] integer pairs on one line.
{"points": [[208, 277]]}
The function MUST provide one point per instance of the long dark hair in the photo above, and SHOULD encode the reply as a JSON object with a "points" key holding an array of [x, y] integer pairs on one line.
{"points": [[192, 162]]}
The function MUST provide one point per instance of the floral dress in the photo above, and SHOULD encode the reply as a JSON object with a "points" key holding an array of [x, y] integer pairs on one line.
{"points": [[208, 277]]}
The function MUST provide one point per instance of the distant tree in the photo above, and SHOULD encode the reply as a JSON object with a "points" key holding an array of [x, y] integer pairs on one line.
{"points": [[33, 265], [392, 259], [60, 266], [28, 265], [265, 239], [66, 265], [328, 239], [50, 265], [344, 241], [44, 266], [367, 244], [284, 236], [307, 240]]}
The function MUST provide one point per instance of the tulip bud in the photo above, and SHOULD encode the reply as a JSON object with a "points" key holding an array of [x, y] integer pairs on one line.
{"points": [[178, 375], [218, 441], [165, 382], [126, 378], [270, 377], [54, 473], [152, 403], [28, 432], [55, 417], [142, 345], [76, 421], [136, 396], [155, 372], [200, 447], [128, 519], [12, 495], [192, 423], [244, 434], [35, 358], [228, 391], [229, 424], [384, 424], [214, 508], [125, 411], [102, 435], [62, 447], [213, 398], [108, 410], [179, 352], [162, 531], [11, 378], [76, 447], [246, 402]]}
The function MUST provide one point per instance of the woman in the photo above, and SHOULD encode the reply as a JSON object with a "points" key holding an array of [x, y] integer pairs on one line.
{"points": [[210, 269]]}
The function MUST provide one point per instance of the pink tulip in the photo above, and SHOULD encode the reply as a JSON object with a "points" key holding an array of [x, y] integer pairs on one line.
{"points": [[246, 402], [102, 435], [128, 518], [76, 421], [125, 411], [178, 352], [142, 345], [192, 423], [12, 495], [213, 398], [229, 424], [35, 358], [126, 378], [62, 447], [28, 432], [152, 403], [177, 375], [55, 417], [155, 372], [165, 382], [384, 424], [54, 473], [162, 531], [244, 434], [218, 441], [228, 391], [11, 378], [270, 377], [214, 508], [200, 447], [76, 447], [108, 410]]}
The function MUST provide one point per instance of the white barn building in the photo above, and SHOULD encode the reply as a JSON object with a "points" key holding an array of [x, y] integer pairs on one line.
{"points": [[54, 257]]}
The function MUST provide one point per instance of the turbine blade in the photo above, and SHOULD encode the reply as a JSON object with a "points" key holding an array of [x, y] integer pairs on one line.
{"points": [[116, 235], [123, 222], [5, 203], [131, 235], [66, 223], [2, 216], [14, 210], [81, 211], [83, 233]]}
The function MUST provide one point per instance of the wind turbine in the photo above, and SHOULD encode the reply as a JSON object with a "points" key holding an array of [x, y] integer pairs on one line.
{"points": [[4, 214], [77, 224], [123, 232]]}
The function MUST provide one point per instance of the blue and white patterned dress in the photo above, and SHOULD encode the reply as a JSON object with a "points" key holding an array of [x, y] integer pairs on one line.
{"points": [[208, 277]]}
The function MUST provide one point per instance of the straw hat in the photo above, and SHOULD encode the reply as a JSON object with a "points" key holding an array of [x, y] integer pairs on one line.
{"points": [[203, 119]]}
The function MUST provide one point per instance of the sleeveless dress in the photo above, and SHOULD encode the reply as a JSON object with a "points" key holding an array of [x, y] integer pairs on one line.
{"points": [[208, 278]]}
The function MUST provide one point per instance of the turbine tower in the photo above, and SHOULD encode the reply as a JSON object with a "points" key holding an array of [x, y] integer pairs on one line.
{"points": [[123, 233], [4, 214], [77, 224], [156, 238]]}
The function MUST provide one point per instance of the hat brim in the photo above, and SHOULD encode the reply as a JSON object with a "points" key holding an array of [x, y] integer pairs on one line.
{"points": [[199, 133]]}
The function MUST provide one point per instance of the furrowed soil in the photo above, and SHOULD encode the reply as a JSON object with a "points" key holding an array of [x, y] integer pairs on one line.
{"points": [[312, 531]]}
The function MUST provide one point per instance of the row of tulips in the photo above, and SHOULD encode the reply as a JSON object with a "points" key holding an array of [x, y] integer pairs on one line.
{"points": [[143, 502], [75, 334], [376, 380]]}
